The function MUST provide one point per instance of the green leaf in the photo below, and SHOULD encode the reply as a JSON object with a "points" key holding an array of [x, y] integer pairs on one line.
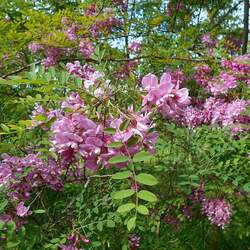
{"points": [[133, 140], [118, 159], [110, 224], [3, 204], [124, 125], [121, 175], [147, 196], [5, 128], [55, 240], [142, 210], [142, 156], [111, 131], [131, 223], [123, 194], [41, 118], [115, 144], [39, 211], [99, 226], [246, 187], [1, 224], [11, 225], [11, 244], [146, 179], [126, 207]]}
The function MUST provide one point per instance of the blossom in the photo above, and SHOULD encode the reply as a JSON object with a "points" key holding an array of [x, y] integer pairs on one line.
{"points": [[207, 39], [34, 47], [52, 54], [239, 65], [120, 3], [86, 48], [73, 102], [105, 25], [34, 172], [134, 242], [76, 133], [85, 72], [91, 10], [134, 47], [218, 212], [71, 32], [126, 69], [187, 211], [22, 210], [74, 241], [168, 97], [222, 83], [5, 173]]}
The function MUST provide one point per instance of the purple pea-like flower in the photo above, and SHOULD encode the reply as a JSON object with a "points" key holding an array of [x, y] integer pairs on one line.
{"points": [[134, 241], [22, 210], [218, 211]]}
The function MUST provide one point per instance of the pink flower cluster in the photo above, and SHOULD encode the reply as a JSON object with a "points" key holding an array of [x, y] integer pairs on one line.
{"points": [[22, 210], [134, 47], [71, 32], [40, 117], [73, 102], [217, 85], [34, 47], [169, 98], [208, 40], [220, 109], [120, 3], [216, 111], [74, 240], [52, 54], [218, 212], [239, 66], [91, 10], [85, 72], [86, 48], [104, 26], [21, 174], [126, 69], [134, 242], [74, 134]]}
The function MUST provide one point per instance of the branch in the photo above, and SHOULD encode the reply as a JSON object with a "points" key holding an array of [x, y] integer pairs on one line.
{"points": [[110, 59], [20, 69]]}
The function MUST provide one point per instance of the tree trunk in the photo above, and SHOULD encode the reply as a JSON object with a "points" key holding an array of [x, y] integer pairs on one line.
{"points": [[246, 27]]}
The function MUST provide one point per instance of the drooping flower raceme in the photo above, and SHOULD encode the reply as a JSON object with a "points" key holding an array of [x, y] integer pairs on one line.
{"points": [[22, 210], [74, 134], [73, 102], [34, 47], [169, 99], [134, 47], [86, 48], [34, 172], [218, 212], [85, 72], [134, 242]]}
